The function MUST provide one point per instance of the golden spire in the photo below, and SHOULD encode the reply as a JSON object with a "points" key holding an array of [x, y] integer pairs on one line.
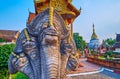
{"points": [[94, 36]]}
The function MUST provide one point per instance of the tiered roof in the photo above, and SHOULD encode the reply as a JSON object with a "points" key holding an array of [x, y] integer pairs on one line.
{"points": [[64, 8], [31, 16]]}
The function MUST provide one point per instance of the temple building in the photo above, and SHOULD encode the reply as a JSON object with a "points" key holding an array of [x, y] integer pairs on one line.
{"points": [[103, 48], [94, 42], [63, 7], [9, 35], [116, 46]]}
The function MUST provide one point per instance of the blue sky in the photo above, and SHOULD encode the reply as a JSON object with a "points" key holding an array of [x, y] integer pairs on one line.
{"points": [[105, 14]]}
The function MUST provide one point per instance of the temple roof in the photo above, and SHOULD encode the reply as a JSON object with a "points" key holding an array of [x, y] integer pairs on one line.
{"points": [[94, 36], [8, 35], [31, 16], [118, 37], [116, 45], [64, 7]]}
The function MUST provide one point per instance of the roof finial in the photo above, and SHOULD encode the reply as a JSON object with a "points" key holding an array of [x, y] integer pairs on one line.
{"points": [[80, 9], [28, 10], [93, 27]]}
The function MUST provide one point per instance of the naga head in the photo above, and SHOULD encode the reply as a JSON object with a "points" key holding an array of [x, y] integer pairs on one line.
{"points": [[49, 36], [25, 50], [42, 47]]}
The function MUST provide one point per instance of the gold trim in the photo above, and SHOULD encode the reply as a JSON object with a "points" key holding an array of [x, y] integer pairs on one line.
{"points": [[51, 16], [68, 12], [17, 56], [26, 34], [69, 31]]}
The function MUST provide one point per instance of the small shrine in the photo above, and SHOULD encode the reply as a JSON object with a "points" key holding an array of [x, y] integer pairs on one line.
{"points": [[94, 42]]}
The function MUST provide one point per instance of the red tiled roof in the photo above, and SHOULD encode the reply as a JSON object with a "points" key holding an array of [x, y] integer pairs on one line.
{"points": [[8, 35], [72, 8], [31, 16]]}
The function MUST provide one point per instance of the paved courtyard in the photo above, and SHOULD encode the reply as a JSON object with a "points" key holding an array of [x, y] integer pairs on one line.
{"points": [[87, 67], [92, 76], [92, 71]]}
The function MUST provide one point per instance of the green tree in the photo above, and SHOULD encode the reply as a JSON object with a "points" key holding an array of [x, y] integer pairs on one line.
{"points": [[5, 52], [110, 42], [80, 43], [2, 40], [19, 75]]}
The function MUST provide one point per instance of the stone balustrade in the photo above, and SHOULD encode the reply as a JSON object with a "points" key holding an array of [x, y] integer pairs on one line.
{"points": [[106, 63]]}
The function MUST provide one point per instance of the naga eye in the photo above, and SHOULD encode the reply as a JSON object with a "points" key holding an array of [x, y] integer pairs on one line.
{"points": [[24, 41], [45, 25]]}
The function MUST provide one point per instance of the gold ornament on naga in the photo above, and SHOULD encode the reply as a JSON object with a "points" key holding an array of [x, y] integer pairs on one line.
{"points": [[26, 35], [51, 16]]}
